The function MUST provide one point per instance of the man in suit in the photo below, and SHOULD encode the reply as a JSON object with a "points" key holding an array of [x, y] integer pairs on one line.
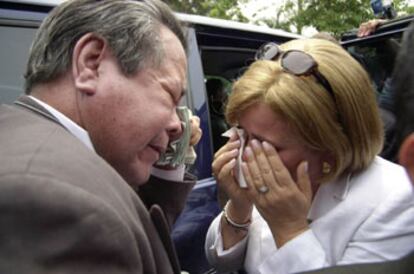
{"points": [[103, 81], [403, 79]]}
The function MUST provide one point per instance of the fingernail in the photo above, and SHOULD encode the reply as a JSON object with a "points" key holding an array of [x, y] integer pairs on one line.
{"points": [[237, 142], [306, 166], [234, 152], [267, 146], [232, 163], [248, 152], [255, 143]]}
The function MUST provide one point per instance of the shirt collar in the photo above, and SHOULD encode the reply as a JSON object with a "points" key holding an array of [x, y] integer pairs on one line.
{"points": [[71, 126], [328, 196]]}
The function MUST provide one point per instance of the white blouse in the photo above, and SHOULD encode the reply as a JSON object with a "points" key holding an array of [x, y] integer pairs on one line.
{"points": [[366, 217]]}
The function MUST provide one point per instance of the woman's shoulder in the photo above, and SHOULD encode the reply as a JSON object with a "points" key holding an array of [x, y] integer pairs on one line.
{"points": [[386, 174], [380, 180]]}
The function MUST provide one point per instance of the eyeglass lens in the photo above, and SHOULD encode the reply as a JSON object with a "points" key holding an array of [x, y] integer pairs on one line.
{"points": [[295, 62], [298, 63], [268, 52]]}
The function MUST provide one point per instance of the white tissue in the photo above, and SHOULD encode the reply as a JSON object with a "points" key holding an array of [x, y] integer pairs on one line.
{"points": [[238, 169]]}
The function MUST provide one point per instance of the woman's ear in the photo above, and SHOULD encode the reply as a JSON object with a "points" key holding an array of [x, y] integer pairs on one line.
{"points": [[86, 58], [406, 155], [327, 163]]}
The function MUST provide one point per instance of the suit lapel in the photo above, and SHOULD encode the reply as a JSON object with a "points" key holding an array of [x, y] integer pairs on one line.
{"points": [[160, 223], [27, 103]]}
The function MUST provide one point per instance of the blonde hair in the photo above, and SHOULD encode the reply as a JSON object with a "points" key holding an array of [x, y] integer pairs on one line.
{"points": [[347, 126]]}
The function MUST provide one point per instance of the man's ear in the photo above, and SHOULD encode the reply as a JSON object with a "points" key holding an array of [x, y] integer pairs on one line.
{"points": [[406, 155], [87, 55]]}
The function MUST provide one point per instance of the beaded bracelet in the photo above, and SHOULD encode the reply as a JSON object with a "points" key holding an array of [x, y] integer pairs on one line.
{"points": [[232, 223]]}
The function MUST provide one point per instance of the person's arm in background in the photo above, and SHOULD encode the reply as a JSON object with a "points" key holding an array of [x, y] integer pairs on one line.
{"points": [[169, 187], [369, 27]]}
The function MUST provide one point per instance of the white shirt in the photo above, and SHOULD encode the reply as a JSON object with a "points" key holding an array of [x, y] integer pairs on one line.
{"points": [[172, 175], [73, 128], [368, 217]]}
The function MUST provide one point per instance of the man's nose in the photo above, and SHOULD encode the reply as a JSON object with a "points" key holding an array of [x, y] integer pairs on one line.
{"points": [[175, 127]]}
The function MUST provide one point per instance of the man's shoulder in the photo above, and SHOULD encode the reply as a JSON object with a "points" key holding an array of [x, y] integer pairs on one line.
{"points": [[32, 145], [44, 164], [30, 141]]}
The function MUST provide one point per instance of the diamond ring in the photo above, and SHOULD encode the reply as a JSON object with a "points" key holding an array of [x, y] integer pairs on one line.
{"points": [[263, 189]]}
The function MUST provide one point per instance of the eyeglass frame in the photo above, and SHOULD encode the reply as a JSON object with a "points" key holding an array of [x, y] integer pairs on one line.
{"points": [[312, 70]]}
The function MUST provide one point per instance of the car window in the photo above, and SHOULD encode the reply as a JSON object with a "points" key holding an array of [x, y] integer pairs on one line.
{"points": [[15, 43]]}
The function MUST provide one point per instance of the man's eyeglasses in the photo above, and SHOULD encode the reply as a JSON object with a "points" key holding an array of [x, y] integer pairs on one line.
{"points": [[295, 62]]}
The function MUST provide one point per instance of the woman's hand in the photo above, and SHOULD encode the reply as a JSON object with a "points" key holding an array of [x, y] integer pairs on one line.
{"points": [[223, 169], [239, 208], [281, 201]]}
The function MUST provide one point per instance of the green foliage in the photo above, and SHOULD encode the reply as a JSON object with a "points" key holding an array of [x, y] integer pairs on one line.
{"points": [[332, 16], [335, 16], [224, 9], [403, 8]]}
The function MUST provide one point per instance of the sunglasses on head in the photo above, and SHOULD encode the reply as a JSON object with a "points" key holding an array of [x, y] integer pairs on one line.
{"points": [[295, 62]]}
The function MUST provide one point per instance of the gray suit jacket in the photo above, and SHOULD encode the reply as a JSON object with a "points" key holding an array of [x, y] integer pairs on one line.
{"points": [[63, 209]]}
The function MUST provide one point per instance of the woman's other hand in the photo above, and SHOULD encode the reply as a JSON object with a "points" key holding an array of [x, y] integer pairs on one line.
{"points": [[281, 201]]}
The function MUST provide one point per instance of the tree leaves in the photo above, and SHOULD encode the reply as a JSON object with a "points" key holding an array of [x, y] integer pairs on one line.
{"points": [[333, 16], [224, 9]]}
